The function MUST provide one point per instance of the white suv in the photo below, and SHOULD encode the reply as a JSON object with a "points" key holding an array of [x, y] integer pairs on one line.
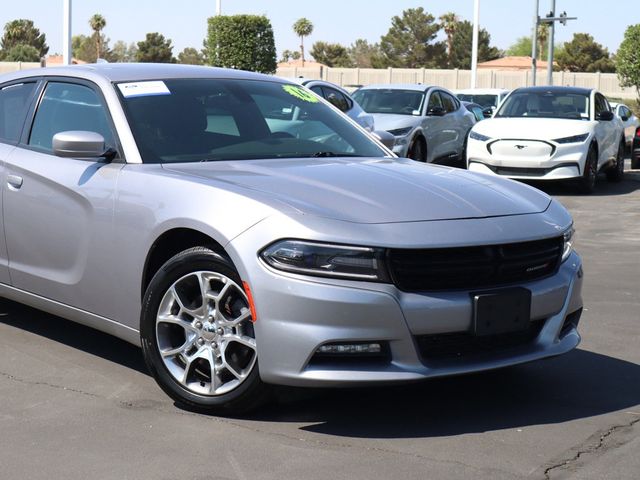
{"points": [[550, 133]]}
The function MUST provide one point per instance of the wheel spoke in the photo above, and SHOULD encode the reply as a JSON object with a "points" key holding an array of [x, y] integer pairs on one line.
{"points": [[173, 320], [220, 319]]}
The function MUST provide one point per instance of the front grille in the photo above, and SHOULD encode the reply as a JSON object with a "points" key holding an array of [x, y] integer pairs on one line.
{"points": [[465, 345], [528, 172], [465, 268]]}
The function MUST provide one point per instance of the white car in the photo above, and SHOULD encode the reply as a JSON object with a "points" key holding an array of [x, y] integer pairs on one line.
{"points": [[488, 98], [629, 121], [550, 133]]}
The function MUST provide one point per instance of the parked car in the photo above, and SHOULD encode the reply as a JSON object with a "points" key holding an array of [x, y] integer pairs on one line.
{"points": [[488, 98], [478, 112], [629, 121], [429, 123], [339, 98], [550, 133], [635, 150], [244, 233]]}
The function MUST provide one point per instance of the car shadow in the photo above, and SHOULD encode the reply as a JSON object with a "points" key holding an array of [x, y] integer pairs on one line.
{"points": [[72, 334], [577, 385]]}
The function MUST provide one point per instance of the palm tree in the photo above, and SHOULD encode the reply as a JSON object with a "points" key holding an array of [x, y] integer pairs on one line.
{"points": [[543, 40], [97, 23], [302, 28], [449, 23]]}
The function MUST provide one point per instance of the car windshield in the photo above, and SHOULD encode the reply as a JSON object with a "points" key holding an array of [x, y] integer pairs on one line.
{"points": [[546, 104], [190, 120], [401, 102], [486, 100]]}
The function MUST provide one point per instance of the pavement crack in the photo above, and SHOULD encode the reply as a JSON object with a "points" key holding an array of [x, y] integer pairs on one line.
{"points": [[589, 447], [23, 381]]}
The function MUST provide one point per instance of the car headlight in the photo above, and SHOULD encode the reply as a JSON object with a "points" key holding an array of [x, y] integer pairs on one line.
{"points": [[327, 260], [567, 248], [477, 136], [400, 132], [572, 139]]}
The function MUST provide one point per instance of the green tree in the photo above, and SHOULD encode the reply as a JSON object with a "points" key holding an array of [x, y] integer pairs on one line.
{"points": [[155, 49], [21, 53], [83, 48], [331, 54], [460, 56], [410, 42], [628, 59], [121, 52], [241, 41], [303, 28], [522, 45], [23, 32], [365, 55], [191, 56], [97, 23], [449, 23], [583, 54]]}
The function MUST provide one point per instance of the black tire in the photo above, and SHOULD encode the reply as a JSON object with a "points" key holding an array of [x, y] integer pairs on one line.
{"points": [[587, 183], [616, 172], [635, 161], [251, 391], [462, 159], [418, 150]]}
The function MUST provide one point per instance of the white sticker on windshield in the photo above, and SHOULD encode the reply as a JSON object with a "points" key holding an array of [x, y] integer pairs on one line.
{"points": [[142, 89]]}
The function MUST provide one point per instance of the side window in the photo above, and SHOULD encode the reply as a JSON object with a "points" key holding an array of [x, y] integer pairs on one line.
{"points": [[337, 99], [68, 106], [448, 102], [434, 101], [317, 89], [14, 102]]}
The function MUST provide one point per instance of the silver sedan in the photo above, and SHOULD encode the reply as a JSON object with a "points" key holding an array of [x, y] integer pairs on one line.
{"points": [[244, 233], [429, 123]]}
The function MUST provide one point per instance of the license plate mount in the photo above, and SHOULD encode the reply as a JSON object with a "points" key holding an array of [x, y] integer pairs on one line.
{"points": [[501, 311]]}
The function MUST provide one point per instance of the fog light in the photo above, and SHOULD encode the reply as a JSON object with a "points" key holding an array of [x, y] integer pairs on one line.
{"points": [[350, 348]]}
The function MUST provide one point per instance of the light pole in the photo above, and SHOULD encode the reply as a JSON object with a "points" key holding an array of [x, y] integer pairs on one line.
{"points": [[552, 30], [218, 7], [474, 48], [550, 20], [534, 44], [66, 32]]}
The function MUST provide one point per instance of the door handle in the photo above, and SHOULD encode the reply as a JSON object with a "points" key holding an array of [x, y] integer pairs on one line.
{"points": [[14, 181]]}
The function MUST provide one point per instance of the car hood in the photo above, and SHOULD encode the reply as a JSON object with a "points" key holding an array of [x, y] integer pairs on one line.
{"points": [[532, 128], [390, 121], [376, 190]]}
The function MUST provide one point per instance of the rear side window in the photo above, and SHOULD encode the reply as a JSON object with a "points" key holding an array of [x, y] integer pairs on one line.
{"points": [[14, 103], [65, 107], [448, 102]]}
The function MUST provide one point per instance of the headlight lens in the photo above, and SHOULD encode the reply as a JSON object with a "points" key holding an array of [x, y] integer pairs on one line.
{"points": [[326, 260], [400, 132], [568, 243], [477, 136], [572, 139]]}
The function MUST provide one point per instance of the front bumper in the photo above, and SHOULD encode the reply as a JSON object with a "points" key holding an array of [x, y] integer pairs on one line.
{"points": [[561, 162], [298, 314]]}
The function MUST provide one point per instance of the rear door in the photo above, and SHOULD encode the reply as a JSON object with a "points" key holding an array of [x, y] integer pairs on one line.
{"points": [[606, 131], [15, 99], [58, 211]]}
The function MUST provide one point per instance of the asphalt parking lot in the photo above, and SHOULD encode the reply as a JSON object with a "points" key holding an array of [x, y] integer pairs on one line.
{"points": [[77, 404]]}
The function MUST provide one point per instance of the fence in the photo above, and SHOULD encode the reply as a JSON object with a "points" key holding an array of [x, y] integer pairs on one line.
{"points": [[607, 83]]}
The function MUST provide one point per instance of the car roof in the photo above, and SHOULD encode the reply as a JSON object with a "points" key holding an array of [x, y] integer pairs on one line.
{"points": [[399, 86], [555, 89], [132, 72], [483, 91]]}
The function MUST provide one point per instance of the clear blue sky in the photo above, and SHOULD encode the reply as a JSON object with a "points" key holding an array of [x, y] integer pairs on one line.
{"points": [[184, 22]]}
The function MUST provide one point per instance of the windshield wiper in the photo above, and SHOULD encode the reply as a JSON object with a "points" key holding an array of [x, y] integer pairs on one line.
{"points": [[333, 154]]}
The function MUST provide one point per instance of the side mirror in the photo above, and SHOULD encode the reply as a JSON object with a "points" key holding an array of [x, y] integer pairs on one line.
{"points": [[385, 138], [624, 118], [78, 144], [487, 112], [436, 112], [605, 116]]}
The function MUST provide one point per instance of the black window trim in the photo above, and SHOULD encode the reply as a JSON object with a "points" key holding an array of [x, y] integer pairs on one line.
{"points": [[35, 105]]}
